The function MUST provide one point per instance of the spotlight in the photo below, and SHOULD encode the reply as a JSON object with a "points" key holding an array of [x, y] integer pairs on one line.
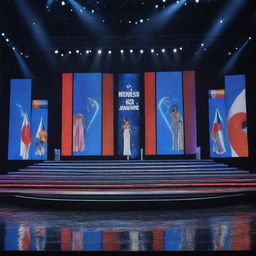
{"points": [[56, 51], [152, 50], [92, 11], [221, 21], [63, 3], [109, 52], [122, 51], [141, 20], [13, 48], [181, 48], [229, 53], [7, 40], [62, 55], [163, 50], [156, 6], [197, 1], [250, 38], [202, 45], [164, 1], [21, 53], [141, 51], [131, 51], [174, 50], [99, 51], [69, 52], [3, 34], [77, 51], [87, 52]]}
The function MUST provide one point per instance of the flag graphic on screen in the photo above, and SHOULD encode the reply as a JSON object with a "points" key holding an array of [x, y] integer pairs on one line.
{"points": [[25, 138], [41, 139], [217, 135], [237, 126]]}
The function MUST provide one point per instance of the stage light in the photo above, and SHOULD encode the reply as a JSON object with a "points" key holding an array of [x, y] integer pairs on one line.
{"points": [[62, 55], [164, 1], [141, 20], [221, 21], [69, 52], [131, 51], [7, 40], [109, 52], [181, 48], [197, 1], [156, 6], [87, 52], [202, 45], [141, 51], [63, 3], [250, 38], [56, 51], [77, 51], [152, 50], [122, 51], [21, 53], [174, 50], [163, 50], [92, 11], [229, 53], [99, 51], [3, 34], [13, 48]]}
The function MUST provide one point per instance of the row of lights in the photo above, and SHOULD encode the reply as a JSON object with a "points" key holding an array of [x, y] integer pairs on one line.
{"points": [[99, 51]]}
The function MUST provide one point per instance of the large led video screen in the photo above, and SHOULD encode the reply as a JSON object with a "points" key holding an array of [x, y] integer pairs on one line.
{"points": [[19, 119], [170, 113], [129, 115], [219, 144], [87, 114], [236, 115]]}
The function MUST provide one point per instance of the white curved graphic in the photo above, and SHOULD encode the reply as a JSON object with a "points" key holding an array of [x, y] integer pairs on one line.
{"points": [[94, 105]]}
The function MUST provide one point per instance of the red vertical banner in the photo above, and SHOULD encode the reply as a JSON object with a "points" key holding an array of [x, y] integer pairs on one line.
{"points": [[110, 241], [67, 109], [158, 240], [66, 239], [189, 98], [150, 113], [108, 115]]}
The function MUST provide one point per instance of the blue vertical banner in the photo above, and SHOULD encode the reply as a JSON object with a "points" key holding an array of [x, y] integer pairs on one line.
{"points": [[19, 122], [170, 121], [219, 145], [92, 240], [236, 115], [129, 115], [39, 124], [87, 114]]}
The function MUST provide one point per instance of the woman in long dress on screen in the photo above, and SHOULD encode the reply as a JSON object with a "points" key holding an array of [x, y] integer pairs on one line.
{"points": [[78, 133], [127, 138], [177, 129]]}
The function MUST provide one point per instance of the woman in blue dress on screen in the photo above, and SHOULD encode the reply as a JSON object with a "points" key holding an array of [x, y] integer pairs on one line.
{"points": [[177, 129], [127, 138]]}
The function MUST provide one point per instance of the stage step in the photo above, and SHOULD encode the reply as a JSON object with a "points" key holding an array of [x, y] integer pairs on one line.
{"points": [[127, 181]]}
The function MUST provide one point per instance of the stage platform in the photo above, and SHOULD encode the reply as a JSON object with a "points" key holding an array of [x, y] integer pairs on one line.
{"points": [[127, 181]]}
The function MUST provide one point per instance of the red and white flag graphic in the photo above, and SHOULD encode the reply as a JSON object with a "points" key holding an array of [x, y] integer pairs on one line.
{"points": [[25, 138]]}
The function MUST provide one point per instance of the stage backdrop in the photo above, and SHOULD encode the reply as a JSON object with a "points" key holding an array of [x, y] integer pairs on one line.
{"points": [[236, 115], [19, 122], [87, 114], [228, 119], [219, 144], [129, 109], [170, 113]]}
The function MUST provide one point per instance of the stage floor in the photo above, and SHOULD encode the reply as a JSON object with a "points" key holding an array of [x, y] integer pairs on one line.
{"points": [[215, 228]]}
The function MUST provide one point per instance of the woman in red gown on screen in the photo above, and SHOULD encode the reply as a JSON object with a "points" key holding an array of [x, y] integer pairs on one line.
{"points": [[78, 133]]}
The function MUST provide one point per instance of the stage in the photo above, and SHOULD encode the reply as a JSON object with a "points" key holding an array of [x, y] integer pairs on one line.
{"points": [[120, 181]]}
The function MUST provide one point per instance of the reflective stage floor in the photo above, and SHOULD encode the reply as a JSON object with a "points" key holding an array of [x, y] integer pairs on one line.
{"points": [[220, 228]]}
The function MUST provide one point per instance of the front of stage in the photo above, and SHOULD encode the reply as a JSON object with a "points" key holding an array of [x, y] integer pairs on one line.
{"points": [[127, 182]]}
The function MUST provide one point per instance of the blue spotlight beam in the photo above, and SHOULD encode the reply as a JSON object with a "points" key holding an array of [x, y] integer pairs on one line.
{"points": [[226, 15], [23, 65], [88, 19], [161, 18], [232, 61], [34, 24], [49, 3]]}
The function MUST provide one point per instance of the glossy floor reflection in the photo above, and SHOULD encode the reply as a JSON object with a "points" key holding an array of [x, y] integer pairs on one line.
{"points": [[224, 228]]}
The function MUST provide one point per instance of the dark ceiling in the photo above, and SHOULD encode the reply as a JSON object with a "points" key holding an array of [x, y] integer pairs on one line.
{"points": [[113, 23]]}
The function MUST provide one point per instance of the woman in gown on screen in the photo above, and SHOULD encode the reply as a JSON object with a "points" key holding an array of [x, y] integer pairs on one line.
{"points": [[127, 138], [78, 133], [177, 129]]}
